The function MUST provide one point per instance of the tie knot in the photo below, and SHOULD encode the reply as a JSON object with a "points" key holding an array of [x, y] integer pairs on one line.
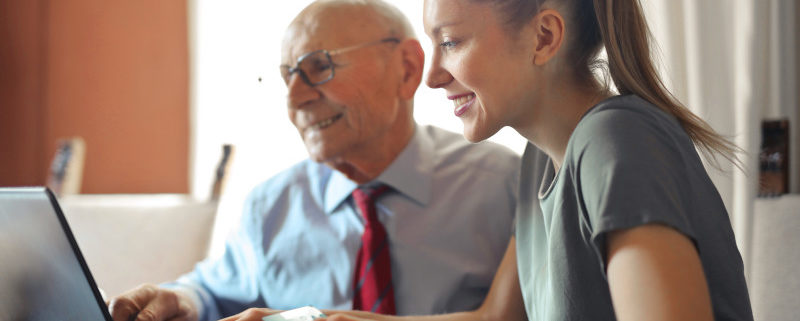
{"points": [[365, 198], [369, 194]]}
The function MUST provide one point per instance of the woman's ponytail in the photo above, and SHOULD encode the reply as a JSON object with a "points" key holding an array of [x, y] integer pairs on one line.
{"points": [[620, 27], [626, 38]]}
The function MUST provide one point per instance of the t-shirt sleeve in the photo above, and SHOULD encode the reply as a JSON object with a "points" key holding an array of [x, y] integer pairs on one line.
{"points": [[630, 172]]}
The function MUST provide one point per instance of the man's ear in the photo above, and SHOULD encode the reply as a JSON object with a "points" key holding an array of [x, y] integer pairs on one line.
{"points": [[413, 59], [548, 31]]}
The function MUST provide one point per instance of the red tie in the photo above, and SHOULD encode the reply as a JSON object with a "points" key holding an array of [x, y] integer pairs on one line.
{"points": [[372, 283]]}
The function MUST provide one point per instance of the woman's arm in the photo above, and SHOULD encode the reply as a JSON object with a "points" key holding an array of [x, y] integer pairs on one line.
{"points": [[654, 273], [503, 303]]}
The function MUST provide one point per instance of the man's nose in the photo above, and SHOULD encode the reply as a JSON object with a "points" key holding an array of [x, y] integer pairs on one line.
{"points": [[300, 92]]}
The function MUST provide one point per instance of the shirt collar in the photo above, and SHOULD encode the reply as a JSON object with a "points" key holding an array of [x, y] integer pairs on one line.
{"points": [[411, 174]]}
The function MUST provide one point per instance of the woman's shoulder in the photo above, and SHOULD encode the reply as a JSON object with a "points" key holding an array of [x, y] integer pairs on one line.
{"points": [[626, 109], [626, 117], [627, 127]]}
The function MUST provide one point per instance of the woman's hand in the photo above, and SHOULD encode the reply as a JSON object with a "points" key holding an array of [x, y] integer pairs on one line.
{"points": [[343, 317], [252, 314]]}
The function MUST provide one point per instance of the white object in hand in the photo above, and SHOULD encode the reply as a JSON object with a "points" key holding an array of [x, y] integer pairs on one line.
{"points": [[307, 313]]}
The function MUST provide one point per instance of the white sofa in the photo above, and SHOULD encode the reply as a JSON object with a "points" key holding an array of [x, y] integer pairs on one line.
{"points": [[775, 265], [132, 239]]}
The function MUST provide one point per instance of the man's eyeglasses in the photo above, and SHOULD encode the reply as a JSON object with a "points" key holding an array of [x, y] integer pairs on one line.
{"points": [[317, 68]]}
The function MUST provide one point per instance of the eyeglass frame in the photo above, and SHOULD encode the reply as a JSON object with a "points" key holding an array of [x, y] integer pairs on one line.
{"points": [[328, 53]]}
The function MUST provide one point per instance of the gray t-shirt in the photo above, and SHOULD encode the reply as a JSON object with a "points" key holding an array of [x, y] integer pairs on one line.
{"points": [[627, 164]]}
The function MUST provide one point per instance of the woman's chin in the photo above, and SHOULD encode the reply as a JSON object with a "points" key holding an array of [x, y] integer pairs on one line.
{"points": [[474, 135]]}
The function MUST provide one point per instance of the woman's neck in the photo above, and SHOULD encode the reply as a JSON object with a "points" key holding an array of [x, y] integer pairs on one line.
{"points": [[556, 116]]}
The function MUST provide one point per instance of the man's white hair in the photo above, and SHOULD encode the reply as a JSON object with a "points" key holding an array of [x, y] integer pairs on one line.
{"points": [[389, 15]]}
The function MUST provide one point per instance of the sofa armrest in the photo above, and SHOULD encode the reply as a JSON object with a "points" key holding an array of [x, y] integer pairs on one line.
{"points": [[774, 281]]}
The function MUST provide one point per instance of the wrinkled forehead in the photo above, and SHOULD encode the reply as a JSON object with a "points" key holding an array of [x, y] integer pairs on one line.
{"points": [[329, 28]]}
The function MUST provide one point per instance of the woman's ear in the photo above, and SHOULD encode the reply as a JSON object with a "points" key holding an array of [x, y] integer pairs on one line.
{"points": [[548, 35], [413, 59]]}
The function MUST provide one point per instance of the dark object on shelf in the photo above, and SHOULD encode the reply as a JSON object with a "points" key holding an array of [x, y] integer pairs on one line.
{"points": [[774, 158], [66, 169], [220, 176]]}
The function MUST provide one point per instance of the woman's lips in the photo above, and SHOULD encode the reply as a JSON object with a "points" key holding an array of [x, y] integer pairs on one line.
{"points": [[462, 103]]}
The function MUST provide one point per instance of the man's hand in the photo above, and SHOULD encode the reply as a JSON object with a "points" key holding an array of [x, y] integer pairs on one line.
{"points": [[151, 303], [252, 314]]}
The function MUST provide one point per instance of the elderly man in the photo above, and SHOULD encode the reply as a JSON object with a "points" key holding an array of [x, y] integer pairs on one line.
{"points": [[386, 216]]}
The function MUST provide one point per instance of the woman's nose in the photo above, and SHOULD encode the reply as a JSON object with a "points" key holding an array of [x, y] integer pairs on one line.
{"points": [[438, 77]]}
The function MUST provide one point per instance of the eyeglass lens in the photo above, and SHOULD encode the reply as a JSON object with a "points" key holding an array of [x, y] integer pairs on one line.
{"points": [[315, 68]]}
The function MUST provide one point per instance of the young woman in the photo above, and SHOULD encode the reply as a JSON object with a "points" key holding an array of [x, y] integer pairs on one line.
{"points": [[619, 219], [617, 216]]}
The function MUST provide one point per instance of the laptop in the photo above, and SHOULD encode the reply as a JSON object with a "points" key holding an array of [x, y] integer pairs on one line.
{"points": [[43, 275]]}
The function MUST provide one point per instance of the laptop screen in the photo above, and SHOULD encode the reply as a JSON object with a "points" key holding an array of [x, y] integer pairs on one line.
{"points": [[42, 274]]}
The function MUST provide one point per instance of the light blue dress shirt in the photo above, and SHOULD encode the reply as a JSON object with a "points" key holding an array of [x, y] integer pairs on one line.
{"points": [[448, 216]]}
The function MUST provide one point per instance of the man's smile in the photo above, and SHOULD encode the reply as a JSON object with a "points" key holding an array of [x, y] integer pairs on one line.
{"points": [[325, 123]]}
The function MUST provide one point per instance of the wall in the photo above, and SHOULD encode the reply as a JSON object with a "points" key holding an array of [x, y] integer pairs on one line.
{"points": [[21, 161], [113, 72]]}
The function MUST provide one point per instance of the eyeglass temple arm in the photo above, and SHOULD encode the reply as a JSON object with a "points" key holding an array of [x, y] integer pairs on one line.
{"points": [[371, 43]]}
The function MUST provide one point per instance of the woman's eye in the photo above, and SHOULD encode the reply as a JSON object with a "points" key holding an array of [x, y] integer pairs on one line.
{"points": [[447, 44]]}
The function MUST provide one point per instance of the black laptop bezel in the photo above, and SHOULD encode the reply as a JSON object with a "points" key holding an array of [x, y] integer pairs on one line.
{"points": [[73, 244]]}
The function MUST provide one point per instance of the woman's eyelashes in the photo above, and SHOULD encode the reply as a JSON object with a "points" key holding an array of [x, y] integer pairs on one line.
{"points": [[448, 44]]}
